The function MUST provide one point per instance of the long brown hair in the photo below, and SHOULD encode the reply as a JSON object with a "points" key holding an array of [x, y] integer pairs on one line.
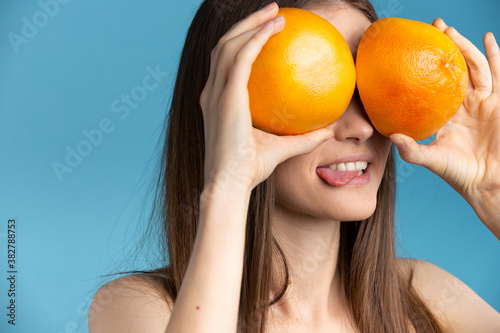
{"points": [[377, 295]]}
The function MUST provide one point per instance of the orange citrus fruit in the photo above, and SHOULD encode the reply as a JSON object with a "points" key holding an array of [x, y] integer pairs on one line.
{"points": [[411, 77], [304, 77]]}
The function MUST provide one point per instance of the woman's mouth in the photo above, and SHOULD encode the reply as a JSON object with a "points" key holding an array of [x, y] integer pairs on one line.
{"points": [[340, 174]]}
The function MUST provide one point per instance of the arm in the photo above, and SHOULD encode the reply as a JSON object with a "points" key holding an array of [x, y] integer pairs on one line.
{"points": [[466, 154], [237, 158], [208, 300]]}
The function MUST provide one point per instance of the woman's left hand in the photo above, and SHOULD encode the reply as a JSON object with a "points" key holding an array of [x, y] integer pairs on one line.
{"points": [[466, 151]]}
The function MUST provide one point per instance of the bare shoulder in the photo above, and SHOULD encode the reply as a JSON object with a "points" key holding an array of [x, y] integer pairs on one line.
{"points": [[130, 304], [455, 305]]}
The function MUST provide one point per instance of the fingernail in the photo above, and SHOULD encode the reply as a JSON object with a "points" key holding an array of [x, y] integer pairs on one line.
{"points": [[398, 142], [269, 7], [268, 25], [275, 20], [278, 19]]}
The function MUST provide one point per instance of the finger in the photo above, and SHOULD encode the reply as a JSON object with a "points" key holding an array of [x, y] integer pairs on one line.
{"points": [[480, 73], [294, 145], [493, 55], [409, 150], [239, 74], [226, 57], [424, 155], [439, 23], [251, 22]]}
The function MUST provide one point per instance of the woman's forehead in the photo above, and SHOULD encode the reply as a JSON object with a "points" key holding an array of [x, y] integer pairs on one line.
{"points": [[351, 23]]}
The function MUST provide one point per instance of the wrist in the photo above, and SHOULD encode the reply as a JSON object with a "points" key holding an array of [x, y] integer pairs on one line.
{"points": [[225, 192], [487, 208], [226, 181]]}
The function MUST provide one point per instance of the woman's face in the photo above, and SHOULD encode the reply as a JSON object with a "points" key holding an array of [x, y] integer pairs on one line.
{"points": [[307, 184]]}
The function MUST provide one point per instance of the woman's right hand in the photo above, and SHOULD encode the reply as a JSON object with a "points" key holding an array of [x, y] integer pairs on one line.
{"points": [[236, 154]]}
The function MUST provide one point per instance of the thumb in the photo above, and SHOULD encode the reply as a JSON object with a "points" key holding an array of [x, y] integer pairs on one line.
{"points": [[294, 145], [409, 150], [426, 156]]}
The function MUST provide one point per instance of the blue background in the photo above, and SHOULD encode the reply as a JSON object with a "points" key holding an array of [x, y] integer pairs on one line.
{"points": [[64, 79]]}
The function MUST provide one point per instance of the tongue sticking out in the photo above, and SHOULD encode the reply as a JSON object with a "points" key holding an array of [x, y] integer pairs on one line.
{"points": [[336, 178]]}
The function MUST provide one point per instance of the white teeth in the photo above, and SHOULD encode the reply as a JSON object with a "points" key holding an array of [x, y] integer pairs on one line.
{"points": [[361, 165], [350, 166], [360, 173]]}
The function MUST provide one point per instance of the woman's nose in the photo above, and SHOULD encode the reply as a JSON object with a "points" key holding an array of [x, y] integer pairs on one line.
{"points": [[354, 125]]}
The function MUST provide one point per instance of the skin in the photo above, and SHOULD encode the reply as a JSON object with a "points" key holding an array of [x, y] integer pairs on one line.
{"points": [[465, 153]]}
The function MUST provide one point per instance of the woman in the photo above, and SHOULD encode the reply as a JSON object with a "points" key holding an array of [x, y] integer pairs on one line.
{"points": [[255, 242]]}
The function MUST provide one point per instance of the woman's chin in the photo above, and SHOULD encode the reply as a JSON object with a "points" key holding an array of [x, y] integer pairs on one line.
{"points": [[353, 212]]}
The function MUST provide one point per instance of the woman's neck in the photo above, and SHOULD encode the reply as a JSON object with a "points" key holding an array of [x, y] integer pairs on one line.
{"points": [[311, 248]]}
